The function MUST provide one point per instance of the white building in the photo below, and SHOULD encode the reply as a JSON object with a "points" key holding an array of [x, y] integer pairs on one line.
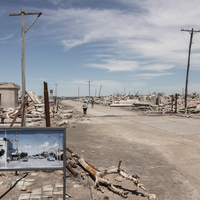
{"points": [[7, 146]]}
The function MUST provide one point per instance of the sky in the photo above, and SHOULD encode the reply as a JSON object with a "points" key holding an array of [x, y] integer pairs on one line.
{"points": [[35, 142], [124, 45]]}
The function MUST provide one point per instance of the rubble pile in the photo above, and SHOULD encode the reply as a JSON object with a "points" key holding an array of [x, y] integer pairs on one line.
{"points": [[156, 102], [35, 112]]}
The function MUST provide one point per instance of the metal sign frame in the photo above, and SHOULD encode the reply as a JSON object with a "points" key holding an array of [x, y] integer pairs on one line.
{"points": [[45, 129]]}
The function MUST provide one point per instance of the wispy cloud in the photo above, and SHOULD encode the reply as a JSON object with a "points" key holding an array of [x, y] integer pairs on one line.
{"points": [[153, 75], [55, 145], [116, 65], [153, 35], [46, 144], [143, 38], [6, 37], [128, 65], [28, 146]]}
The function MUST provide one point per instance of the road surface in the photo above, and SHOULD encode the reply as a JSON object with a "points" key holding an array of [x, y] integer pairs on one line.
{"points": [[36, 163], [164, 150]]}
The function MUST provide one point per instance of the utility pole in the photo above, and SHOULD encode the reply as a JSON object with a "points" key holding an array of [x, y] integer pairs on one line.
{"points": [[56, 90], [23, 31], [100, 90], [188, 65], [55, 98], [17, 150], [89, 87], [78, 92]]}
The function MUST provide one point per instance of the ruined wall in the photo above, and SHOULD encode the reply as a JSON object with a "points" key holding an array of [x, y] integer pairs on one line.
{"points": [[9, 95]]}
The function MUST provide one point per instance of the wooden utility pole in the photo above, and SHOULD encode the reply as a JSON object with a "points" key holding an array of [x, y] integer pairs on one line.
{"points": [[100, 90], [56, 90], [172, 103], [188, 65], [89, 88], [176, 101], [23, 31]]}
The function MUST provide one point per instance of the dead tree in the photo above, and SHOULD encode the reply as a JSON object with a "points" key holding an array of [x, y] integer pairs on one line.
{"points": [[99, 179]]}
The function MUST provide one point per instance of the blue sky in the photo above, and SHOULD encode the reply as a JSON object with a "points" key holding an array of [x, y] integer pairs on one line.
{"points": [[35, 142], [132, 44]]}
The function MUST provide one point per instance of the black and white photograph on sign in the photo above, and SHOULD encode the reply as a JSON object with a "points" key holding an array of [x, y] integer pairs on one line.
{"points": [[31, 149]]}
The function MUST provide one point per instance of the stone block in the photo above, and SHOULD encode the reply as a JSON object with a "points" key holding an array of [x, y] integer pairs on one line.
{"points": [[65, 116], [64, 122]]}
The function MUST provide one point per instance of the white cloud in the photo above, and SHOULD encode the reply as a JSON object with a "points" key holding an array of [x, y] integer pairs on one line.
{"points": [[46, 144], [158, 67], [153, 75], [55, 145], [28, 146], [152, 35], [116, 65], [148, 42]]}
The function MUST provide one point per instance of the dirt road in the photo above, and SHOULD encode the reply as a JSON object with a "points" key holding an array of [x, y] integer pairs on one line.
{"points": [[163, 150]]}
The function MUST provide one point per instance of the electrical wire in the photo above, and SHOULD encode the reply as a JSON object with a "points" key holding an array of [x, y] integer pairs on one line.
{"points": [[187, 43]]}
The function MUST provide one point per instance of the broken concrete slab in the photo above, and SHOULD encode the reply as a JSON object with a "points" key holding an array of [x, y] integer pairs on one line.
{"points": [[64, 122], [33, 124], [121, 105], [66, 111], [18, 120], [65, 116], [8, 125], [36, 119], [33, 97], [38, 115]]}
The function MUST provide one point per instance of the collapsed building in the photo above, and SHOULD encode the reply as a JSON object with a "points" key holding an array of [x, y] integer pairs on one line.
{"points": [[35, 110], [156, 102]]}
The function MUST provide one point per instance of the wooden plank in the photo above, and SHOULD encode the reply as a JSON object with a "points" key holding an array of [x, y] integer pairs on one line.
{"points": [[33, 13], [16, 14], [25, 99]]}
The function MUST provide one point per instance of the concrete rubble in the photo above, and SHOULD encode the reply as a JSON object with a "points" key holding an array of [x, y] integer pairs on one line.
{"points": [[35, 112], [152, 103]]}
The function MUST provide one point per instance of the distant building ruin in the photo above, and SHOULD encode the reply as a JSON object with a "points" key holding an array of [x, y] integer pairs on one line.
{"points": [[51, 94], [9, 95], [7, 146]]}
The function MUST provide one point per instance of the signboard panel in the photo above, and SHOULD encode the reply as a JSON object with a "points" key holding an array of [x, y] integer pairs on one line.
{"points": [[32, 148], [26, 149]]}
